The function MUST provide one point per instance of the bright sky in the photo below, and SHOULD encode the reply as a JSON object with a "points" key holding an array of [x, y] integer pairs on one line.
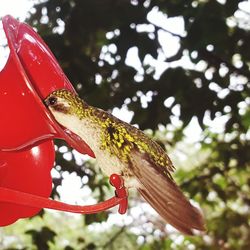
{"points": [[16, 8]]}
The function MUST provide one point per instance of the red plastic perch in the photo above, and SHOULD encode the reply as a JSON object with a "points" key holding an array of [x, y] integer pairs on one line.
{"points": [[30, 200]]}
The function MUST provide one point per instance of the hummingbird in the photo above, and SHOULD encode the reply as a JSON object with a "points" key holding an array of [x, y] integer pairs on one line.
{"points": [[125, 150]]}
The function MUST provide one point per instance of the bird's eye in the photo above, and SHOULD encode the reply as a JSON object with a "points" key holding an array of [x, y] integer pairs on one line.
{"points": [[52, 100]]}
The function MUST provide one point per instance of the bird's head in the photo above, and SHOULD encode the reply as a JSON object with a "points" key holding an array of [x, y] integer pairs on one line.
{"points": [[69, 110], [65, 102]]}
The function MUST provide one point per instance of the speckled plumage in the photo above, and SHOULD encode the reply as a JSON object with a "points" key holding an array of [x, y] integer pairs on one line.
{"points": [[118, 137], [123, 149]]}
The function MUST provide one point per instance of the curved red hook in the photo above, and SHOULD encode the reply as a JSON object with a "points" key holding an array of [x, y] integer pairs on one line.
{"points": [[31, 200]]}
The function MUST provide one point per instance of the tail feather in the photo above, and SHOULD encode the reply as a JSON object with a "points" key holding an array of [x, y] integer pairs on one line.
{"points": [[166, 194], [165, 197], [165, 214]]}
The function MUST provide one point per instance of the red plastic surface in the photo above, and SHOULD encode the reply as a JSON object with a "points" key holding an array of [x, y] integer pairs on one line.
{"points": [[26, 171], [27, 130]]}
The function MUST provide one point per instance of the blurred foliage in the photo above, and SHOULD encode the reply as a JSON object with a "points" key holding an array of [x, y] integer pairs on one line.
{"points": [[91, 40]]}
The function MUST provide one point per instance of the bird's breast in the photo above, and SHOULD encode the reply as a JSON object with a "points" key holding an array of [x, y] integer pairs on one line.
{"points": [[92, 133], [109, 163]]}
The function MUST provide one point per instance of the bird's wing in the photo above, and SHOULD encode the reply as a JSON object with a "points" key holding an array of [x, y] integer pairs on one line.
{"points": [[160, 191]]}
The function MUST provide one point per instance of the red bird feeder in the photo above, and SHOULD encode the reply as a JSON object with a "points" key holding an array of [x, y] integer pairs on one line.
{"points": [[28, 129]]}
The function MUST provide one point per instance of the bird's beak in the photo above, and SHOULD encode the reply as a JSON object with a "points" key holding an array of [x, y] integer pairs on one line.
{"points": [[46, 102]]}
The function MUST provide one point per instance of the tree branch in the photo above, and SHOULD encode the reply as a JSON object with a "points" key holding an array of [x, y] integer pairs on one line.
{"points": [[114, 237], [215, 59], [244, 11], [157, 27], [202, 177]]}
